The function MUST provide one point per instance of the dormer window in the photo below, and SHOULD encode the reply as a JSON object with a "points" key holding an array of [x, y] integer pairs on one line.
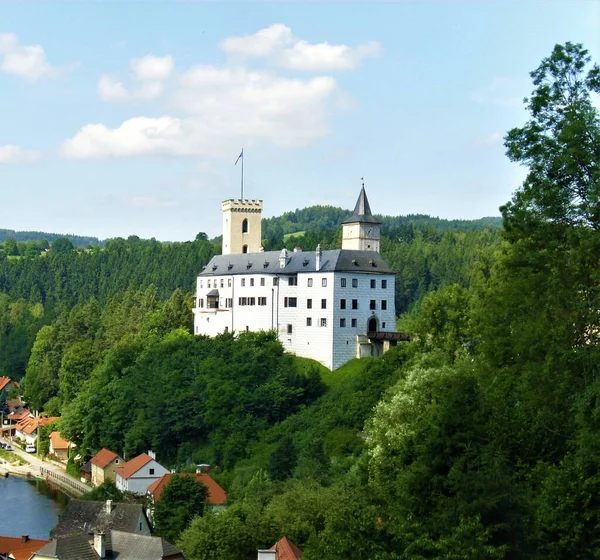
{"points": [[245, 225]]}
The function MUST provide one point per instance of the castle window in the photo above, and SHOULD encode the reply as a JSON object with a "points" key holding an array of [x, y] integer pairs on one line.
{"points": [[323, 304], [251, 281], [208, 283], [342, 322], [245, 227], [343, 282], [290, 302], [384, 304], [384, 284], [229, 302], [383, 325], [324, 282], [200, 283], [222, 282], [275, 281], [309, 304], [245, 249], [262, 301], [229, 282], [372, 304], [353, 323], [323, 322], [342, 304], [373, 282], [354, 304], [262, 281], [309, 282], [200, 302], [243, 282], [355, 282], [289, 329], [309, 321], [293, 281], [251, 301]]}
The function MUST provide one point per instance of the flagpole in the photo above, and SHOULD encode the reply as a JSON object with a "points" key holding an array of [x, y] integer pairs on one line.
{"points": [[242, 173]]}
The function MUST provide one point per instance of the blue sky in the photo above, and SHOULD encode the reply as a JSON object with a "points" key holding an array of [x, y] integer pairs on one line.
{"points": [[120, 118]]}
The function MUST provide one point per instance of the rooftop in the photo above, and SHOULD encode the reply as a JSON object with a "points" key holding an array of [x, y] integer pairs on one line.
{"points": [[103, 458], [20, 548], [127, 470], [216, 494]]}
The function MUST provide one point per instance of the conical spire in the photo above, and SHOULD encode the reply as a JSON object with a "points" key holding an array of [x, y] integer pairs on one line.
{"points": [[362, 210]]}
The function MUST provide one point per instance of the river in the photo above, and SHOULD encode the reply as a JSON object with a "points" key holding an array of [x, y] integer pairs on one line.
{"points": [[29, 507]]}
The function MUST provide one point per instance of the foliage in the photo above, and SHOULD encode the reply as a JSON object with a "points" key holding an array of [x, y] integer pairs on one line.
{"points": [[182, 499], [106, 491]]}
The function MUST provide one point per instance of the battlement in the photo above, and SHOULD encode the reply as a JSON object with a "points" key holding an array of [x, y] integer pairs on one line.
{"points": [[242, 205]]}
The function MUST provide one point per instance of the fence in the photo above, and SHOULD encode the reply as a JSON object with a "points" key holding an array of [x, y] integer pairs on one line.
{"points": [[64, 481]]}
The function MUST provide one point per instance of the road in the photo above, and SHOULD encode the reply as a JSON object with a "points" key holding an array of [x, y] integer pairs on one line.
{"points": [[35, 465]]}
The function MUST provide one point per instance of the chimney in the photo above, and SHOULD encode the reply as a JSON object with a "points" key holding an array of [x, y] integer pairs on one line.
{"points": [[318, 256], [109, 506], [150, 452], [24, 538], [100, 544]]}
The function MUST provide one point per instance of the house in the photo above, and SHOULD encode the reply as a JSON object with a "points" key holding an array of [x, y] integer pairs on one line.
{"points": [[113, 544], [19, 548], [136, 475], [27, 429], [104, 464], [330, 306], [17, 412], [59, 447], [6, 384], [83, 516], [216, 499], [85, 472], [283, 549]]}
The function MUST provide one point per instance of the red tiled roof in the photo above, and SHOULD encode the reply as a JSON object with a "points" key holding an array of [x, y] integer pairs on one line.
{"points": [[21, 548], [216, 494], [4, 381], [103, 458], [133, 466], [58, 442], [29, 425], [285, 549], [18, 415]]}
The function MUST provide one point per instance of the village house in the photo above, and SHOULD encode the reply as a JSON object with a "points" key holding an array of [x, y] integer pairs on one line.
{"points": [[28, 429], [216, 500], [284, 549], [136, 475], [19, 548], [112, 544], [103, 466], [330, 306], [59, 447], [83, 516]]}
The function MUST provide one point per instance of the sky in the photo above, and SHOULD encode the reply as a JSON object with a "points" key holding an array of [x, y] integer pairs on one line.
{"points": [[126, 118]]}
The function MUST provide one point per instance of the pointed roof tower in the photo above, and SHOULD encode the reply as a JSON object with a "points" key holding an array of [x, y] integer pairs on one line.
{"points": [[362, 210]]}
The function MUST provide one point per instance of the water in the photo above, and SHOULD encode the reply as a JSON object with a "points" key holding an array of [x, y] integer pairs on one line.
{"points": [[29, 507]]}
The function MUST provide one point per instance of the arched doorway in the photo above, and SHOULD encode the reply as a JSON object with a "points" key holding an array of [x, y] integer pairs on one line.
{"points": [[372, 325], [245, 249]]}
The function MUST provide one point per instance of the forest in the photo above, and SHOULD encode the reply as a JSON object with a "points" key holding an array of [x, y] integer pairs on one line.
{"points": [[477, 439]]}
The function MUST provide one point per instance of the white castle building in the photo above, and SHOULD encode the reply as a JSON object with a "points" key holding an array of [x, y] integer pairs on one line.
{"points": [[330, 306]]}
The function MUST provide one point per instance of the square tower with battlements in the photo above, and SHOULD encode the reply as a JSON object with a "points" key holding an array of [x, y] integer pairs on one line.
{"points": [[242, 232]]}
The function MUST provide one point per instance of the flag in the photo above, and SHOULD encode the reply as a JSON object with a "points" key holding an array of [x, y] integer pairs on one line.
{"points": [[240, 156]]}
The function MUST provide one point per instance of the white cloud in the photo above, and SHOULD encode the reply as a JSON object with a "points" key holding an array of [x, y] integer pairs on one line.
{"points": [[110, 89], [221, 108], [501, 91], [26, 61], [489, 140], [278, 44], [149, 71], [152, 68], [14, 154]]}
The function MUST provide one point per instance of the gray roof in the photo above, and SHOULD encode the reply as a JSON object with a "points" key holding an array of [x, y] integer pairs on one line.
{"points": [[338, 260], [121, 545], [81, 517], [362, 211]]}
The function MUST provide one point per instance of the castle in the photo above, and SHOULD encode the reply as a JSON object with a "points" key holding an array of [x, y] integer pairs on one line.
{"points": [[330, 306]]}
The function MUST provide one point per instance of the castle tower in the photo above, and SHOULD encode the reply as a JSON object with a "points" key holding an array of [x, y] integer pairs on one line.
{"points": [[242, 232], [361, 231]]}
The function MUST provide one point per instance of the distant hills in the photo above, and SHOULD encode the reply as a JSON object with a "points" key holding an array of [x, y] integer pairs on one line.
{"points": [[311, 219]]}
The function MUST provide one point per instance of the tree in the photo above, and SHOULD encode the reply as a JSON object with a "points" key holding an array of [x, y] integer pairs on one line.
{"points": [[182, 499], [61, 245], [283, 460], [560, 145]]}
